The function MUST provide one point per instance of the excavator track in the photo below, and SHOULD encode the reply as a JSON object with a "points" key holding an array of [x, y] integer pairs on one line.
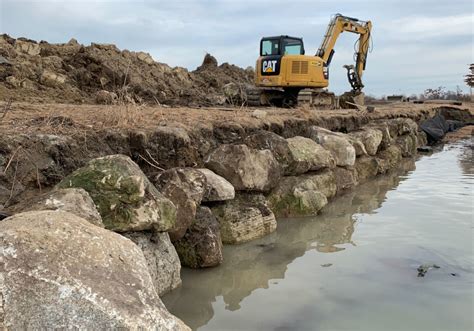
{"points": [[316, 98], [254, 97]]}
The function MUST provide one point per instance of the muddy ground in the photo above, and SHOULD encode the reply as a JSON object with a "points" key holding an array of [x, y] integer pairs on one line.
{"points": [[41, 72]]}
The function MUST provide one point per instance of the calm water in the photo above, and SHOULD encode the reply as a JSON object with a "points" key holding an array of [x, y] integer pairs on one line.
{"points": [[354, 266]]}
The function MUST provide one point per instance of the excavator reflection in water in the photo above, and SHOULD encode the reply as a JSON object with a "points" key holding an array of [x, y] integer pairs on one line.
{"points": [[286, 77]]}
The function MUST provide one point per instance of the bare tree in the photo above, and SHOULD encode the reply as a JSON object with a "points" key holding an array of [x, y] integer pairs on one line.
{"points": [[469, 78]]}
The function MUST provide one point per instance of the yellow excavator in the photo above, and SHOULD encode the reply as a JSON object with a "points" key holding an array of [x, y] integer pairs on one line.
{"points": [[286, 77]]}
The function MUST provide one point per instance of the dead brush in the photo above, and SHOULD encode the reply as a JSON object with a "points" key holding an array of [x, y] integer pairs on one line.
{"points": [[126, 111]]}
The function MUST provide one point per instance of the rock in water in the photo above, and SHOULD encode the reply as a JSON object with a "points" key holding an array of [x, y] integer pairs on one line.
{"points": [[201, 246], [424, 268], [217, 188], [125, 198], [161, 257], [58, 271], [337, 143], [367, 167], [302, 195], [73, 200], [245, 218], [185, 188], [245, 168]]}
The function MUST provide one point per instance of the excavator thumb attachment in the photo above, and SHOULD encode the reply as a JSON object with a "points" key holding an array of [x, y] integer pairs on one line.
{"points": [[354, 78]]}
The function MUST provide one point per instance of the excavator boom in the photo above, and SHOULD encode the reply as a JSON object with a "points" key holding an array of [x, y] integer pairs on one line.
{"points": [[338, 25]]}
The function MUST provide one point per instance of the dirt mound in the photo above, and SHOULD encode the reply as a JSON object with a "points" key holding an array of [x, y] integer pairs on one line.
{"points": [[74, 73]]}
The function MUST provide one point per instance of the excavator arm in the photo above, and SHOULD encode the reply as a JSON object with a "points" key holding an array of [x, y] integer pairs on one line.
{"points": [[338, 25]]}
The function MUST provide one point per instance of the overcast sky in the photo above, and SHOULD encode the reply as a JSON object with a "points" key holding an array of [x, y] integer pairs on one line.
{"points": [[416, 44]]}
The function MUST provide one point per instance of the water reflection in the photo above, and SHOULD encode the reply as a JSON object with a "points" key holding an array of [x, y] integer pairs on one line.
{"points": [[261, 263]]}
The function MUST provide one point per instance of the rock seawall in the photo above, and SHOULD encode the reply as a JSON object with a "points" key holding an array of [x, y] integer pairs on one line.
{"points": [[180, 194]]}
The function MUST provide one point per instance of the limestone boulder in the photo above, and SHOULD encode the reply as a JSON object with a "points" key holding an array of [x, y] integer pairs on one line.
{"points": [[389, 159], [358, 145], [245, 168], [307, 155], [217, 188], [161, 258], [266, 140], [302, 195], [125, 198], [371, 138], [402, 126], [245, 218], [185, 188], [346, 178], [421, 138], [383, 127], [58, 271], [367, 167], [408, 144], [73, 200], [296, 155], [337, 143], [201, 246]]}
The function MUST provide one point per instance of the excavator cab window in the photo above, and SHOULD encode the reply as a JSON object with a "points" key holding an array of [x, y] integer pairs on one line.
{"points": [[281, 45], [293, 46], [270, 47]]}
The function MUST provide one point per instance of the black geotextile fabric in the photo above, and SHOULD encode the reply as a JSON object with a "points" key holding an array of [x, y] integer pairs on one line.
{"points": [[3, 215], [436, 127]]}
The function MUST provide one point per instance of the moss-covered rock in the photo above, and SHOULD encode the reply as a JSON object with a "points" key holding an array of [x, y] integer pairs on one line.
{"points": [[302, 195], [201, 246], [124, 197]]}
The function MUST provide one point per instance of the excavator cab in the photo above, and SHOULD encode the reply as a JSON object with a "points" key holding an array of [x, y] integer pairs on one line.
{"points": [[273, 48]]}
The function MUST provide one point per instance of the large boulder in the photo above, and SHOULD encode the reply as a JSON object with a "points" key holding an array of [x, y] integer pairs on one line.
{"points": [[245, 218], [276, 144], [161, 257], [74, 200], [388, 159], [337, 143], [346, 178], [408, 144], [217, 188], [58, 271], [402, 126], [386, 136], [307, 155], [185, 188], [201, 246], [124, 196], [302, 195], [371, 138], [245, 168], [296, 155], [367, 167]]}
